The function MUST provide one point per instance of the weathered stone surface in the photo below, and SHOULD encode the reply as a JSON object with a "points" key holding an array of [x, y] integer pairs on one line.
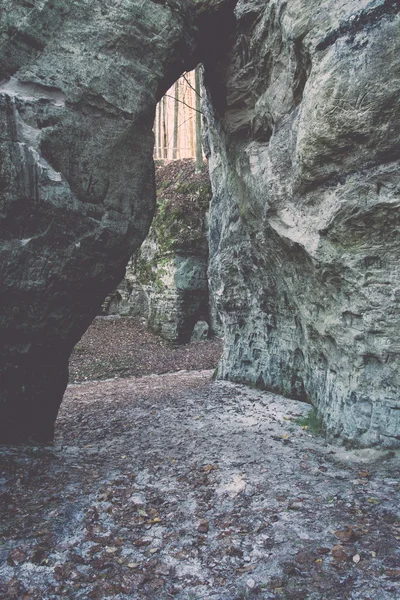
{"points": [[180, 297], [80, 83], [200, 332], [304, 142], [130, 298], [166, 279]]}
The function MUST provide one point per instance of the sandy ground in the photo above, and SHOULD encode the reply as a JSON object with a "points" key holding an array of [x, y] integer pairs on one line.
{"points": [[174, 486]]}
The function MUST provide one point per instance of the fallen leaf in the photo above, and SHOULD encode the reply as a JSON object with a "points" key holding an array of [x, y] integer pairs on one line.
{"points": [[373, 501], [133, 565], [392, 573], [246, 569], [339, 553], [356, 559], [345, 535], [304, 558], [141, 542], [16, 556], [208, 468]]}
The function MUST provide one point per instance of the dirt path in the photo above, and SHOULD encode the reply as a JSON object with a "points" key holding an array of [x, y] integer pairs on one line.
{"points": [[124, 347], [172, 486]]}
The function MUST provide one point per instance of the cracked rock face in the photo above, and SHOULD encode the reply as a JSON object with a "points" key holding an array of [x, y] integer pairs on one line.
{"points": [[303, 132], [304, 124], [79, 86]]}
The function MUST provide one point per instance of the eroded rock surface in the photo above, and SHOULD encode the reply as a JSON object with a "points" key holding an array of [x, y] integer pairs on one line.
{"points": [[166, 279], [79, 86], [304, 141]]}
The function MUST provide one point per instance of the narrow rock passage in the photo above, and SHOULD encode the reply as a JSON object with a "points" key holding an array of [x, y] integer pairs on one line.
{"points": [[174, 486]]}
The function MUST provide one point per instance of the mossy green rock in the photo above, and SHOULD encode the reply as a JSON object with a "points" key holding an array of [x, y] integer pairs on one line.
{"points": [[166, 280]]}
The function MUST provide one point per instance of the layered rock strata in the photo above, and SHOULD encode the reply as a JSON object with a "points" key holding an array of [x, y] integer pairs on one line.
{"points": [[304, 133]]}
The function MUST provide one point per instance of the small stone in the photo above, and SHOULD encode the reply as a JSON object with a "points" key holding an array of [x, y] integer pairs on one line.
{"points": [[251, 584], [200, 332], [203, 526], [246, 558]]}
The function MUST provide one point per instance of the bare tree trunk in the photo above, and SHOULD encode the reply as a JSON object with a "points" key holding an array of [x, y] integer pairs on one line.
{"points": [[176, 122], [159, 142], [165, 133], [155, 135], [199, 148], [192, 121]]}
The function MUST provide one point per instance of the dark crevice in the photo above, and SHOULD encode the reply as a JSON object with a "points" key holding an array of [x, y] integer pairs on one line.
{"points": [[26, 38], [216, 41], [303, 69], [370, 18]]}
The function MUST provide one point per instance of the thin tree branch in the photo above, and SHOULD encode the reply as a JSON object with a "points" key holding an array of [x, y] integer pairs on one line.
{"points": [[182, 102], [190, 85]]}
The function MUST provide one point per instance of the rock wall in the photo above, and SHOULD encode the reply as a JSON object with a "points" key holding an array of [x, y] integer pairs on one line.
{"points": [[166, 279], [304, 138], [304, 124], [79, 84]]}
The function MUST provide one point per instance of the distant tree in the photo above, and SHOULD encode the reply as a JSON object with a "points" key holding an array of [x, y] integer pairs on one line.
{"points": [[177, 126], [165, 132], [159, 155], [176, 122], [199, 147]]}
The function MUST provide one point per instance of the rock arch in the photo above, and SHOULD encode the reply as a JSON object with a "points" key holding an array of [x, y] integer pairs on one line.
{"points": [[304, 139]]}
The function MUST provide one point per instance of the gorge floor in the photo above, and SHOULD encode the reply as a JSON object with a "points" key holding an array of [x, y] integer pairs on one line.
{"points": [[175, 486]]}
